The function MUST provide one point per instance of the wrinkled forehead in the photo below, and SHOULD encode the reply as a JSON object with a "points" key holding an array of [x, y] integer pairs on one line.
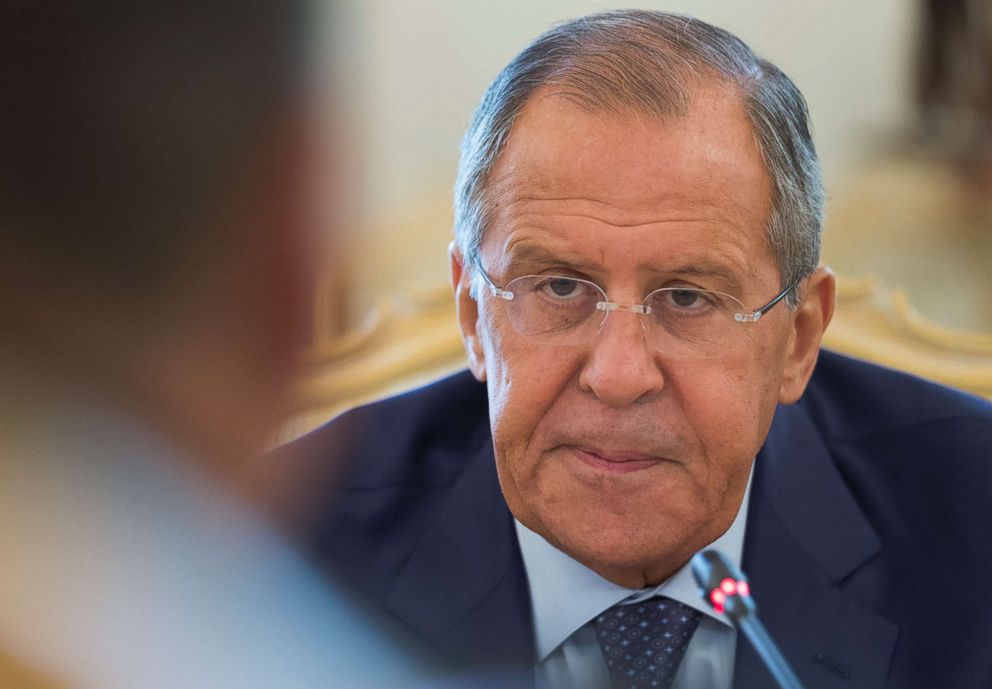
{"points": [[627, 169], [633, 157]]}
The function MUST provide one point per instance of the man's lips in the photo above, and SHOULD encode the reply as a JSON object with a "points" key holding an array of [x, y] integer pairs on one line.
{"points": [[619, 462]]}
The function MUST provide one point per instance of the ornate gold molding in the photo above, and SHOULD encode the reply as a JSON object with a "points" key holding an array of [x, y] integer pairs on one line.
{"points": [[878, 324]]}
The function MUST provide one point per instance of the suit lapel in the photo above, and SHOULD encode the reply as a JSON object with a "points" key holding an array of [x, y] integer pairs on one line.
{"points": [[805, 536], [464, 587]]}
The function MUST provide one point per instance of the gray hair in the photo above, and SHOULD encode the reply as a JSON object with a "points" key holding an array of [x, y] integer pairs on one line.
{"points": [[647, 61]]}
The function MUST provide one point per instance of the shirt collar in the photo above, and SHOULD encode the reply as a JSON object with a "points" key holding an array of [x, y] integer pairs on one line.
{"points": [[565, 594]]}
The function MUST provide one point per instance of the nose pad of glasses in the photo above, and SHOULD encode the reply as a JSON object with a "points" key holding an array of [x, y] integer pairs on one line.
{"points": [[609, 306]]}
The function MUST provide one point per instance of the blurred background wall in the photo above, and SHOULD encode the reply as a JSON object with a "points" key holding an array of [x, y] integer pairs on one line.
{"points": [[902, 204]]}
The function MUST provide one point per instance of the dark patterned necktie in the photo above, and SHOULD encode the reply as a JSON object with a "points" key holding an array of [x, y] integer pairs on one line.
{"points": [[643, 643]]}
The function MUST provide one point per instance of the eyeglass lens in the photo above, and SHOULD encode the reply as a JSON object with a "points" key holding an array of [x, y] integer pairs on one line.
{"points": [[566, 311]]}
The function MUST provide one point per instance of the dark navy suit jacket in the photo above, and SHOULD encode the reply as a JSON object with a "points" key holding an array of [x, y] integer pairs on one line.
{"points": [[868, 543]]}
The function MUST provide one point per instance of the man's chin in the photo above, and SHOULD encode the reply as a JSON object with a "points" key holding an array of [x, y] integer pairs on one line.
{"points": [[618, 555], [631, 570]]}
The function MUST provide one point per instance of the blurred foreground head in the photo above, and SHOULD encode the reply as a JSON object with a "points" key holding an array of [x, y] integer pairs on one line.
{"points": [[153, 239]]}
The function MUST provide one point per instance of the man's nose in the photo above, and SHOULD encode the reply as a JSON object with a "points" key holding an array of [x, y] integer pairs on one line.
{"points": [[622, 366]]}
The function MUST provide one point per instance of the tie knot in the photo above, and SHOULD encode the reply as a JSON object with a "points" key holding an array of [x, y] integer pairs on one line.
{"points": [[643, 643]]}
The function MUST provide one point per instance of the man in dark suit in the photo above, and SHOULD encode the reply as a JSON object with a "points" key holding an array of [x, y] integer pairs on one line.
{"points": [[638, 213]]}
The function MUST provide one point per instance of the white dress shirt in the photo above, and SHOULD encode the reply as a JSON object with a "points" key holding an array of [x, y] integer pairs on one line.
{"points": [[566, 597]]}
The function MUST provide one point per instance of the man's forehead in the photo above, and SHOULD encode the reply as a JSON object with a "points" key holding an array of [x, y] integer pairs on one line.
{"points": [[632, 160]]}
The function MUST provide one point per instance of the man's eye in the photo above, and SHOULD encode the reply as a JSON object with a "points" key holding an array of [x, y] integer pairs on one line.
{"points": [[561, 288], [686, 299]]}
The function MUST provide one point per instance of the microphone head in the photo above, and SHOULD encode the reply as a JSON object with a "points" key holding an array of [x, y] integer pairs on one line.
{"points": [[722, 585]]}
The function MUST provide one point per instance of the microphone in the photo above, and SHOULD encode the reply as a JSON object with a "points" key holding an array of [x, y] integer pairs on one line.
{"points": [[725, 588]]}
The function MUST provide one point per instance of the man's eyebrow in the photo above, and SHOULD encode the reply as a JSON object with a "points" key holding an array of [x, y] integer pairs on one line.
{"points": [[707, 270], [536, 255], [533, 254]]}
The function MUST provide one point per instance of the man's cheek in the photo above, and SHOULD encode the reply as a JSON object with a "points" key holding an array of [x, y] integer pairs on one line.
{"points": [[716, 409], [734, 430]]}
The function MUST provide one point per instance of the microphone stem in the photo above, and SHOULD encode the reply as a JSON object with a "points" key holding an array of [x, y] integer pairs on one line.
{"points": [[766, 648]]}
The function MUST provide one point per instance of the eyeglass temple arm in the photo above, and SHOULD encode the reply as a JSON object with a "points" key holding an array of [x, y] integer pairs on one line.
{"points": [[496, 291], [756, 315]]}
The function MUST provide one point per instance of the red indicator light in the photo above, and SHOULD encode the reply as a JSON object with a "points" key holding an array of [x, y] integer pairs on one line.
{"points": [[718, 607], [729, 586], [718, 597], [743, 588]]}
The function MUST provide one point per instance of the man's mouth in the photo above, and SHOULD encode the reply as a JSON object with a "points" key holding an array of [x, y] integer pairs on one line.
{"points": [[615, 461]]}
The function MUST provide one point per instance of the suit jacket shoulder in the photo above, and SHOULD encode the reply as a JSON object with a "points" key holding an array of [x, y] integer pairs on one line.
{"points": [[377, 473], [853, 400], [866, 524], [916, 456], [410, 512]]}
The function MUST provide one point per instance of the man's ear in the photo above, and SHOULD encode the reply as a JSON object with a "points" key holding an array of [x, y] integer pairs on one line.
{"points": [[809, 322], [468, 312]]}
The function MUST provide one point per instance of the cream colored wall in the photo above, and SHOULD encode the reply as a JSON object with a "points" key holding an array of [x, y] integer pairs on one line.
{"points": [[413, 72]]}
